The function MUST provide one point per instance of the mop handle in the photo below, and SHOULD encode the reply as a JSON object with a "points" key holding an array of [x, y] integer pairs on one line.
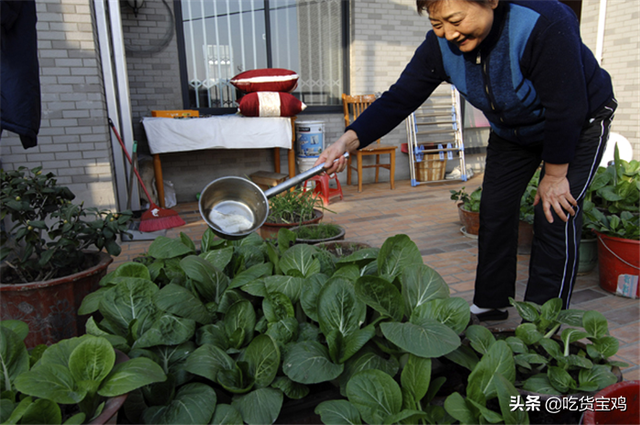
{"points": [[124, 148]]}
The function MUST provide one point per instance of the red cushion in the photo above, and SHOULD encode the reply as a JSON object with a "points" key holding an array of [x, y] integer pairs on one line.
{"points": [[270, 104], [268, 79]]}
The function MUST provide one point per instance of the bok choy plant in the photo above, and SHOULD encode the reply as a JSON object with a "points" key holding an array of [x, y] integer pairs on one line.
{"points": [[243, 327], [77, 373]]}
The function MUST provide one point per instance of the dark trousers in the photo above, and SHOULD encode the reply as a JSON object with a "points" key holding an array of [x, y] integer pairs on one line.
{"points": [[554, 254]]}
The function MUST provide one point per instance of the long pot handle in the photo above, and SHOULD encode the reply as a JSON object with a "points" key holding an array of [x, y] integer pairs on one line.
{"points": [[298, 179]]}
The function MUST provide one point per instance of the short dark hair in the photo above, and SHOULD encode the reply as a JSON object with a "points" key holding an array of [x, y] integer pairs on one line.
{"points": [[426, 5]]}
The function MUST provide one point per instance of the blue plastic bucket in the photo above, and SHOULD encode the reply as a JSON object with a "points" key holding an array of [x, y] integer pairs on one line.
{"points": [[309, 138]]}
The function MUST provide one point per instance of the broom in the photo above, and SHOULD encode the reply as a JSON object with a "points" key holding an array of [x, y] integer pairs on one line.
{"points": [[155, 218]]}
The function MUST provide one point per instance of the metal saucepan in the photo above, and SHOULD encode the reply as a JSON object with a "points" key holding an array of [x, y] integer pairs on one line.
{"points": [[234, 207]]}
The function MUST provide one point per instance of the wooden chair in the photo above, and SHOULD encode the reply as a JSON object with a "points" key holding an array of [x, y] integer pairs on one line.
{"points": [[353, 107]]}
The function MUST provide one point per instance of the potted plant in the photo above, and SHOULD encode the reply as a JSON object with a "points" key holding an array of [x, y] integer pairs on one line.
{"points": [[47, 267], [289, 209], [245, 329], [468, 209], [613, 215], [320, 232], [77, 380], [525, 225], [536, 360]]}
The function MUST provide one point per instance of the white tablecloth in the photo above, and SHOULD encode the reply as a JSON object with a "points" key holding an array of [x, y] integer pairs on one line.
{"points": [[218, 132]]}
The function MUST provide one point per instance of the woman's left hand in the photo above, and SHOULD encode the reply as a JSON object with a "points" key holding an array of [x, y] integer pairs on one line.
{"points": [[555, 192]]}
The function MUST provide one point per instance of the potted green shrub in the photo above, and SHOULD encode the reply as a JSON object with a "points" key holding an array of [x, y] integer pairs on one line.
{"points": [[320, 232], [47, 264], [525, 225], [77, 380], [613, 215], [535, 361], [289, 209], [468, 209]]}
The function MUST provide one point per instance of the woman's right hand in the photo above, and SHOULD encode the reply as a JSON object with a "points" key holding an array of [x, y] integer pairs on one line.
{"points": [[348, 142]]}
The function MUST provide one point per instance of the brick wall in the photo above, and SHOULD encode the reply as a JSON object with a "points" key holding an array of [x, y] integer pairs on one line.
{"points": [[621, 58], [74, 137]]}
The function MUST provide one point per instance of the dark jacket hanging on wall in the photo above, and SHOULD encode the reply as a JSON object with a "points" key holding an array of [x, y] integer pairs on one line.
{"points": [[20, 108]]}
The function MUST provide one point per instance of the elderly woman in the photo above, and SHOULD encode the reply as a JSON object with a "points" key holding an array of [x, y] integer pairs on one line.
{"points": [[523, 64]]}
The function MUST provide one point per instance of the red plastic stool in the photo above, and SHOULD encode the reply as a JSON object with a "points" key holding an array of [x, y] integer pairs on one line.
{"points": [[322, 188]]}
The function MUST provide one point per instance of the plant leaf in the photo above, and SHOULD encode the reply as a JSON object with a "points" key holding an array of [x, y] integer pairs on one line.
{"points": [[381, 295], [207, 361], [263, 358], [14, 358], [338, 412], [595, 324], [506, 392], [452, 312], [130, 375], [291, 389], [163, 247], [540, 384], [209, 281], [425, 338], [241, 316], [375, 394], [416, 377], [456, 406], [339, 308], [252, 273], [421, 283], [90, 362], [288, 285], [226, 414], [366, 360], [396, 254], [178, 300], [131, 298], [261, 406], [51, 381], [481, 338], [194, 403], [481, 382], [167, 330], [42, 411], [301, 258], [308, 362]]}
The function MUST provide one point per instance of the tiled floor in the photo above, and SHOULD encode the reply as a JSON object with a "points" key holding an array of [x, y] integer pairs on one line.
{"points": [[427, 215]]}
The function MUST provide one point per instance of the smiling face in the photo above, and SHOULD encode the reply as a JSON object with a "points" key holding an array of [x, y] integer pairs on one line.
{"points": [[464, 23]]}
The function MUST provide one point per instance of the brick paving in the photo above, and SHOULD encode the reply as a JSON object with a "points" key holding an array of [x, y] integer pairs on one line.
{"points": [[427, 215]]}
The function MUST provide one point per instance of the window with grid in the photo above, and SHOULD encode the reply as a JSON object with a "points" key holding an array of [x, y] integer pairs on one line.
{"points": [[221, 38]]}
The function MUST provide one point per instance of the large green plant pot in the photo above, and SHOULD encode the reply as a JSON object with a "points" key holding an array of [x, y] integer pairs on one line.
{"points": [[50, 307], [588, 251]]}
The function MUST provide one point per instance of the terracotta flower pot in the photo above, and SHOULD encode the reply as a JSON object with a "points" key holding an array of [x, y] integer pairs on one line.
{"points": [[50, 307], [270, 230], [525, 237], [470, 221]]}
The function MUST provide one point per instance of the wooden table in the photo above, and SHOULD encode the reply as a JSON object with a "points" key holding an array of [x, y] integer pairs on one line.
{"points": [[166, 135]]}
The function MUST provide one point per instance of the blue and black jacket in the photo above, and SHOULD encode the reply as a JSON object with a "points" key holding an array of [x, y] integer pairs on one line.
{"points": [[532, 77]]}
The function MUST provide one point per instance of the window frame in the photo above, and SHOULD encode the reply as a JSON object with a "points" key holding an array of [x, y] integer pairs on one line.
{"points": [[317, 109]]}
